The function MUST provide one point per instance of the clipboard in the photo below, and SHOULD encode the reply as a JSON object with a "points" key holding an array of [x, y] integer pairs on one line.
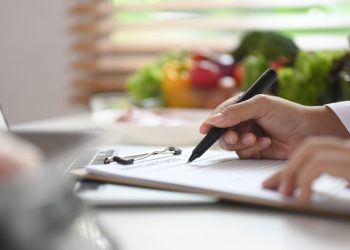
{"points": [[223, 164]]}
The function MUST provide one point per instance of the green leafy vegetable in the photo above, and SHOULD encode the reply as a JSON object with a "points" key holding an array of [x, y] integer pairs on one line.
{"points": [[271, 45], [253, 66], [145, 83], [308, 81]]}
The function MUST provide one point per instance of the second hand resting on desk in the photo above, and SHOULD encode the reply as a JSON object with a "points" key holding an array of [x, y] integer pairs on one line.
{"points": [[263, 83]]}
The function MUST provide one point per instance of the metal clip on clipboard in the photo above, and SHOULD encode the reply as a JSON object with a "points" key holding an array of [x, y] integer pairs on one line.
{"points": [[128, 160]]}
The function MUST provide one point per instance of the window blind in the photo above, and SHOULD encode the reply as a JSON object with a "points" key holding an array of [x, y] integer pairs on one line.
{"points": [[113, 38]]}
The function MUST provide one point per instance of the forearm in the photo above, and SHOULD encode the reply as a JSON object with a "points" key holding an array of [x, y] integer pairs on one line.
{"points": [[323, 121]]}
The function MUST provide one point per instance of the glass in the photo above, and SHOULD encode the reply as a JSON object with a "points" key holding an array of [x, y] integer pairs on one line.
{"points": [[43, 213], [110, 101]]}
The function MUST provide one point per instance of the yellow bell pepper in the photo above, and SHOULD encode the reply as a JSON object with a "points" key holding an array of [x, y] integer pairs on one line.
{"points": [[176, 85]]}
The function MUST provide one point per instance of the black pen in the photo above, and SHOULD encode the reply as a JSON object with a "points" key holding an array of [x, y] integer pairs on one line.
{"points": [[263, 83]]}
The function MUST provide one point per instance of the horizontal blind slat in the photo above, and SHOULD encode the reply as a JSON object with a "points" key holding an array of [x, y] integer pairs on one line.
{"points": [[153, 46], [238, 23], [141, 48], [81, 99], [109, 65], [108, 8], [95, 84], [124, 63]]}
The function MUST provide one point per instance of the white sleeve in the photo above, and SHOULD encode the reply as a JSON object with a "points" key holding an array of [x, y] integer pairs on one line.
{"points": [[342, 110]]}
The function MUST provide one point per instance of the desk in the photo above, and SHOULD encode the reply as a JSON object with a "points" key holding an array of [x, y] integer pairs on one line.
{"points": [[208, 226]]}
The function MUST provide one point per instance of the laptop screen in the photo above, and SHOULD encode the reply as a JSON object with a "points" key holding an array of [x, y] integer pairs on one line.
{"points": [[3, 123]]}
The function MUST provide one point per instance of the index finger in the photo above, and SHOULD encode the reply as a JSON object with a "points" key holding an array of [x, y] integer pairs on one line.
{"points": [[227, 103], [205, 127], [254, 108]]}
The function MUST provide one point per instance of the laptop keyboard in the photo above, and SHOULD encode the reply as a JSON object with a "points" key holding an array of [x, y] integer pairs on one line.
{"points": [[101, 156], [92, 157]]}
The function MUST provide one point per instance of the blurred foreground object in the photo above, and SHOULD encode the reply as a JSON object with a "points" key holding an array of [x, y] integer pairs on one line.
{"points": [[38, 209], [42, 213], [17, 157]]}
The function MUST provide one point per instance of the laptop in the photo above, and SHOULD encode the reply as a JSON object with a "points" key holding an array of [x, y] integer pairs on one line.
{"points": [[68, 146]]}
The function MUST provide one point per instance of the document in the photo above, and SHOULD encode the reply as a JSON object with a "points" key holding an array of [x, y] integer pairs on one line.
{"points": [[222, 174]]}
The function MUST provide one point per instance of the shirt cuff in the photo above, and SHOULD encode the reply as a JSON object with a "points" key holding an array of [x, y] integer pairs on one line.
{"points": [[342, 110]]}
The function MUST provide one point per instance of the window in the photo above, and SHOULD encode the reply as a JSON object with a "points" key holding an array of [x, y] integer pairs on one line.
{"points": [[114, 38]]}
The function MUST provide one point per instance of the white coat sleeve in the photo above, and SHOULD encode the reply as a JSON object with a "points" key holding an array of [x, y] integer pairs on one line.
{"points": [[342, 110]]}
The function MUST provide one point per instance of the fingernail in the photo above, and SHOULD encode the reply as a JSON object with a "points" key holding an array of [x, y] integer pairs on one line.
{"points": [[216, 118], [265, 142], [248, 140], [202, 129], [228, 139], [282, 189], [266, 183]]}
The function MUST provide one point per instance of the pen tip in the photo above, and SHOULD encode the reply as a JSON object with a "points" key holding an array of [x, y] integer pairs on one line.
{"points": [[192, 157]]}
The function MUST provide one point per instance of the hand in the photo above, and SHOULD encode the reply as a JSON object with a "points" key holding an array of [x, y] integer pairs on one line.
{"points": [[313, 158], [270, 127]]}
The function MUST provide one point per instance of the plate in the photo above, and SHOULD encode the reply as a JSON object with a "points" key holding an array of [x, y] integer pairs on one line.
{"points": [[163, 127]]}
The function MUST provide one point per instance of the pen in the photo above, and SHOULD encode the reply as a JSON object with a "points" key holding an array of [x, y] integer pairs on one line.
{"points": [[263, 83]]}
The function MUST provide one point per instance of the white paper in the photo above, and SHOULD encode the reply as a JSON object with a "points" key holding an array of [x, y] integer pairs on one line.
{"points": [[222, 172]]}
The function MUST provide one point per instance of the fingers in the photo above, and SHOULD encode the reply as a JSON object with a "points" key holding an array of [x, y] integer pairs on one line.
{"points": [[227, 103], [333, 162], [232, 141], [273, 182], [246, 145], [233, 114], [312, 159], [311, 148], [255, 150], [243, 139], [205, 127]]}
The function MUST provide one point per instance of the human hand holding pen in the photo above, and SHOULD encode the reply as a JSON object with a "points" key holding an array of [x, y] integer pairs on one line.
{"points": [[270, 127], [266, 79]]}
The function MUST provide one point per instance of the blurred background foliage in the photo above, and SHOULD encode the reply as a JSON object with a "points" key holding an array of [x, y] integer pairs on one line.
{"points": [[307, 77]]}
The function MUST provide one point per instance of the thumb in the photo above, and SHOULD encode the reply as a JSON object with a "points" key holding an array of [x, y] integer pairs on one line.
{"points": [[234, 114]]}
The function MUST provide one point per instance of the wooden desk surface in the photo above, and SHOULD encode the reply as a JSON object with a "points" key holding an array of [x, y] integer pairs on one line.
{"points": [[211, 226]]}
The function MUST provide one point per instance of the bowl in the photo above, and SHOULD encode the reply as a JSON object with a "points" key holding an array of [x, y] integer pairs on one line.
{"points": [[159, 126]]}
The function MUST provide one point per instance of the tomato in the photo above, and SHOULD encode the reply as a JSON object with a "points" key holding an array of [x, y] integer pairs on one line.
{"points": [[205, 74], [203, 54]]}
